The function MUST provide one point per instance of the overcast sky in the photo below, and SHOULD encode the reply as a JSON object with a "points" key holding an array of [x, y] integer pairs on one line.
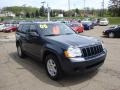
{"points": [[55, 4]]}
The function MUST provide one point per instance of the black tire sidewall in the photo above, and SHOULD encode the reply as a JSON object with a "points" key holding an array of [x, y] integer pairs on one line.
{"points": [[59, 71], [22, 53], [110, 33]]}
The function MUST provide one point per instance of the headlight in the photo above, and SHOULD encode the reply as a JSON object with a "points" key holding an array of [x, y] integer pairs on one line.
{"points": [[72, 52], [102, 44]]}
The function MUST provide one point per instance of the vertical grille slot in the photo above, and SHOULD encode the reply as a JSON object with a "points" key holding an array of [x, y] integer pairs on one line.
{"points": [[92, 50]]}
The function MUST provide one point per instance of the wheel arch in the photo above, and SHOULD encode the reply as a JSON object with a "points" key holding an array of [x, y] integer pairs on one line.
{"points": [[18, 43], [48, 52]]}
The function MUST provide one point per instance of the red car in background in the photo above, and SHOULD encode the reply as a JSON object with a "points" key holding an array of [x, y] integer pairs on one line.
{"points": [[77, 27], [10, 29]]}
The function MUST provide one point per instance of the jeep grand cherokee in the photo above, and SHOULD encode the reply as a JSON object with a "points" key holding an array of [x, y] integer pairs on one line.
{"points": [[59, 48]]}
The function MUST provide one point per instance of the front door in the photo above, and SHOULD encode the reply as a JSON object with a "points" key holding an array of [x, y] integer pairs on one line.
{"points": [[34, 41]]}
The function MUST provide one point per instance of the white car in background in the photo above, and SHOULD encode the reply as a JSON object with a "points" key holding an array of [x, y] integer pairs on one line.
{"points": [[2, 26], [104, 22]]}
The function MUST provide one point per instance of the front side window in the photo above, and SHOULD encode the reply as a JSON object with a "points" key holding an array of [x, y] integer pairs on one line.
{"points": [[33, 28]]}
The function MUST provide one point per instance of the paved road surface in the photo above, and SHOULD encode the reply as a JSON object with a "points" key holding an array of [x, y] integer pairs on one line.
{"points": [[28, 74]]}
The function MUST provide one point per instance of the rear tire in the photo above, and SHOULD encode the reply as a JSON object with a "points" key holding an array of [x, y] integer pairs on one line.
{"points": [[52, 67], [20, 52]]}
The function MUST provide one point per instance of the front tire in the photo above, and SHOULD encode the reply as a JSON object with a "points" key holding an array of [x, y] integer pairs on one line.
{"points": [[52, 67], [111, 35]]}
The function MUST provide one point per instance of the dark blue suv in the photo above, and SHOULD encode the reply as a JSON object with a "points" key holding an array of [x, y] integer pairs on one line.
{"points": [[59, 48]]}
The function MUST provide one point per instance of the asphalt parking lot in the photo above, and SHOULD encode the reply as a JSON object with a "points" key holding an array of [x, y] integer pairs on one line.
{"points": [[28, 74]]}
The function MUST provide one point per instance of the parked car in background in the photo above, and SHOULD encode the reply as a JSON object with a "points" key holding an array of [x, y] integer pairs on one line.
{"points": [[1, 27], [87, 23], [96, 21], [10, 29], [112, 32], [103, 22], [79, 20], [77, 27]]}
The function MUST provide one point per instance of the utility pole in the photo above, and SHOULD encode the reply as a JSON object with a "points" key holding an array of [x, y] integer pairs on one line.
{"points": [[69, 5], [48, 10], [103, 3], [69, 8], [84, 6]]}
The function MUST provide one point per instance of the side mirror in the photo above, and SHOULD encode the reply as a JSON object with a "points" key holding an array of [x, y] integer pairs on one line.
{"points": [[35, 34]]}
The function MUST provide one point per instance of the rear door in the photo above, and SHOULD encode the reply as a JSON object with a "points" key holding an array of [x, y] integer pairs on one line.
{"points": [[23, 35]]}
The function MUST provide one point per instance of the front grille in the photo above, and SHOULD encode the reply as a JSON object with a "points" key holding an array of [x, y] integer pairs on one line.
{"points": [[91, 50]]}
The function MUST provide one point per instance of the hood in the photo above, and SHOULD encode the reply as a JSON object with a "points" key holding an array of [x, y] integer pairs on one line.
{"points": [[109, 30], [103, 21], [74, 40]]}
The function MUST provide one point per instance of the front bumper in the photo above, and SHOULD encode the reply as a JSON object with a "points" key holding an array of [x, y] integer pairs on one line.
{"points": [[103, 23], [105, 33], [80, 65]]}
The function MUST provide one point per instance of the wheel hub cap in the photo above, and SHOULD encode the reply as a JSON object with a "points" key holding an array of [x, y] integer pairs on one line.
{"points": [[51, 67], [19, 50]]}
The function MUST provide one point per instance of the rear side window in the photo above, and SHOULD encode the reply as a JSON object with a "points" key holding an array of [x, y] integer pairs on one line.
{"points": [[20, 28], [25, 28]]}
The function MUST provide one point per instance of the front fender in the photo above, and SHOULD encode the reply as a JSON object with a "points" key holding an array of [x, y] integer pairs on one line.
{"points": [[53, 49]]}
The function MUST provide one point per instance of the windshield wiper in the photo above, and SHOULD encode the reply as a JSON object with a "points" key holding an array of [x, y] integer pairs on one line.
{"points": [[53, 35]]}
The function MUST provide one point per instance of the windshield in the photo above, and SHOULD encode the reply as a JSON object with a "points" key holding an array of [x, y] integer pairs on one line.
{"points": [[104, 19], [88, 23], [55, 29]]}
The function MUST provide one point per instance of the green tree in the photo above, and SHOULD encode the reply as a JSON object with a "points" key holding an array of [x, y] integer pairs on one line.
{"points": [[42, 11], [37, 13], [114, 7], [77, 11], [27, 15], [32, 15], [18, 9]]}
